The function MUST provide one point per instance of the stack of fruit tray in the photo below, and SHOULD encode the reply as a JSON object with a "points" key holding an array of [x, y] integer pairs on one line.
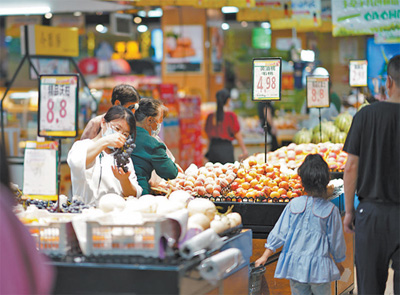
{"points": [[56, 238], [111, 239], [259, 217]]}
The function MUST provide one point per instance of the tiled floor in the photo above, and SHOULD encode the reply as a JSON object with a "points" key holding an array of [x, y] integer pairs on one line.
{"points": [[389, 284]]}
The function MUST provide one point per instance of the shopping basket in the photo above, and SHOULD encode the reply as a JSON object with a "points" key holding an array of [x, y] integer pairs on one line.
{"points": [[255, 279]]}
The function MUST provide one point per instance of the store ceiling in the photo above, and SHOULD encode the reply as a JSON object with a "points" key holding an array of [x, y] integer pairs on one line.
{"points": [[67, 6]]}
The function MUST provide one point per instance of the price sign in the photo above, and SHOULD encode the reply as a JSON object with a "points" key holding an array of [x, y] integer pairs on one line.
{"points": [[358, 73], [267, 74], [58, 106], [317, 91]]}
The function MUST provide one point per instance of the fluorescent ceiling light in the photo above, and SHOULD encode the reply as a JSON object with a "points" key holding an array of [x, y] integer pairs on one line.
{"points": [[307, 55], [155, 13], [229, 9], [141, 13], [142, 28], [18, 10], [265, 25]]}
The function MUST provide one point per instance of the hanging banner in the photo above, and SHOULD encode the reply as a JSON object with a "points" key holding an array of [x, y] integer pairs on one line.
{"points": [[58, 106], [326, 16], [318, 91], [306, 13], [387, 37], [14, 23], [267, 74], [265, 10], [221, 3], [45, 40], [69, 21], [358, 76], [360, 17], [184, 48]]}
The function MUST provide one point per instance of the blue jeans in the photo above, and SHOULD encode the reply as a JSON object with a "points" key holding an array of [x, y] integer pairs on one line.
{"points": [[308, 288]]}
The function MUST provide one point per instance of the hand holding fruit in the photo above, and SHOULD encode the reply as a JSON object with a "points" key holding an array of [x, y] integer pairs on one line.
{"points": [[115, 140], [120, 174]]}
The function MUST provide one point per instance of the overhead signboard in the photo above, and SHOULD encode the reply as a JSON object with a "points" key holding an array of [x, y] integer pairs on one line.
{"points": [[350, 18], [50, 41]]}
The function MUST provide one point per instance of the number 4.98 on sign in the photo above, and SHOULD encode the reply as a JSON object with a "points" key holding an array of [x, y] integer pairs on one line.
{"points": [[269, 83]]}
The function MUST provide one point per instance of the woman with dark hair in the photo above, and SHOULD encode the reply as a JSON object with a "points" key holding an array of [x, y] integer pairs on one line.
{"points": [[310, 231], [222, 128], [93, 171], [124, 95], [150, 154]]}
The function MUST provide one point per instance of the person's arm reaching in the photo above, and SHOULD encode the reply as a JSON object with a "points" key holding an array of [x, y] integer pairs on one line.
{"points": [[239, 138], [350, 182]]}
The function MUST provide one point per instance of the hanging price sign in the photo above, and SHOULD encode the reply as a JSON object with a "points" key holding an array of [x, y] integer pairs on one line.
{"points": [[267, 73], [317, 91], [358, 73], [58, 106]]}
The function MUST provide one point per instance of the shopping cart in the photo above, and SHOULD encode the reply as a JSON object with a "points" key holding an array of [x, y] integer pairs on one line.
{"points": [[255, 279]]}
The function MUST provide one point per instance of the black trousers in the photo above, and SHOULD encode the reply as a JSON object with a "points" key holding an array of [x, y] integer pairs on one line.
{"points": [[220, 150], [377, 241]]}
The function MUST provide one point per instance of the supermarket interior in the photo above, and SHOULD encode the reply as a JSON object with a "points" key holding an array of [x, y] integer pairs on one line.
{"points": [[288, 76]]}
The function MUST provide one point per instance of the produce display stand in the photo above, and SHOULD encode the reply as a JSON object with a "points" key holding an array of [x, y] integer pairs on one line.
{"points": [[261, 218], [111, 274]]}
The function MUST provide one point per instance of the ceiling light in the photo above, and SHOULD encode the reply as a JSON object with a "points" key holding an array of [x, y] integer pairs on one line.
{"points": [[101, 29], [24, 10], [48, 15], [307, 55], [265, 25], [229, 9], [142, 28], [137, 20], [155, 13], [142, 13], [225, 26]]}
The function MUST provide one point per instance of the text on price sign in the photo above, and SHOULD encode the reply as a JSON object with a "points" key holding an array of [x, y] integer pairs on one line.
{"points": [[317, 92], [266, 79]]}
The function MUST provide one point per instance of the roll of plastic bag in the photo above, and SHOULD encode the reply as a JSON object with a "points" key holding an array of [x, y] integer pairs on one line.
{"points": [[200, 243], [216, 267]]}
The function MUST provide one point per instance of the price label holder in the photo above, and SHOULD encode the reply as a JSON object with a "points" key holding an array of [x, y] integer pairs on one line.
{"points": [[40, 170], [267, 76], [318, 95], [358, 73], [58, 110], [58, 106]]}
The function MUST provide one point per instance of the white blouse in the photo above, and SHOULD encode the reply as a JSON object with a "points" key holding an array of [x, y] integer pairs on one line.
{"points": [[98, 180]]}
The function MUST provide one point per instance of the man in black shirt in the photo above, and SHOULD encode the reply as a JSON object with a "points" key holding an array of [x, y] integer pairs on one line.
{"points": [[373, 169]]}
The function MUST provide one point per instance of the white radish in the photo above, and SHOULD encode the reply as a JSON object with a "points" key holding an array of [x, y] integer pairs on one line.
{"points": [[234, 218], [204, 206], [219, 226], [200, 219], [109, 202], [169, 207], [180, 196]]}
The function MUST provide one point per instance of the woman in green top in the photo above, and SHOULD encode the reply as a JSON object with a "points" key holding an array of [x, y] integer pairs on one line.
{"points": [[150, 154]]}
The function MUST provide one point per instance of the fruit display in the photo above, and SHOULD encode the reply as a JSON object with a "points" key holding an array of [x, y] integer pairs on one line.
{"points": [[235, 182], [75, 206], [332, 131], [293, 155]]}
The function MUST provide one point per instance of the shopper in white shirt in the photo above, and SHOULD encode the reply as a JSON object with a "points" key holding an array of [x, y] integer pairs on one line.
{"points": [[93, 170]]}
